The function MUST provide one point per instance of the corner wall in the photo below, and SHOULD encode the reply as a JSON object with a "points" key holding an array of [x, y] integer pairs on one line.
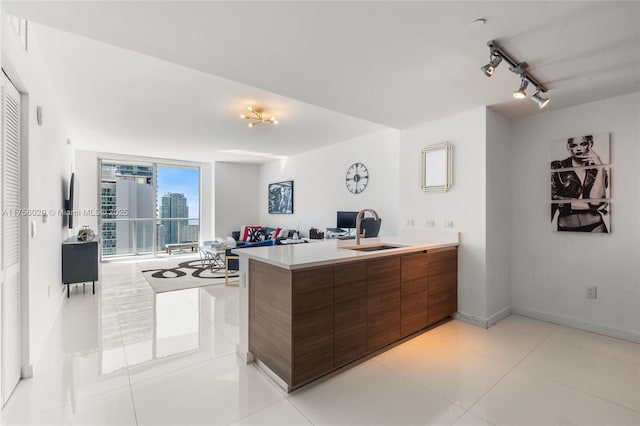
{"points": [[464, 204], [550, 270], [48, 161], [319, 183], [236, 197], [498, 232]]}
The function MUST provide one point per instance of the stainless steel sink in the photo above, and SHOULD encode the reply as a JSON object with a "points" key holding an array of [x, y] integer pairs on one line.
{"points": [[372, 248]]}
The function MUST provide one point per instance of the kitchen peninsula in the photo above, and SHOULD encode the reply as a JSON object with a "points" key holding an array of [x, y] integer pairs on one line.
{"points": [[309, 309]]}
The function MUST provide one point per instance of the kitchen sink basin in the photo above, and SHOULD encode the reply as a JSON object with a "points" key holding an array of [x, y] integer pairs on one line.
{"points": [[371, 248]]}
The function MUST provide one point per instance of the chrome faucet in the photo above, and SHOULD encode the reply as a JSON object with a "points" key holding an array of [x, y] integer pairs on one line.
{"points": [[359, 220]]}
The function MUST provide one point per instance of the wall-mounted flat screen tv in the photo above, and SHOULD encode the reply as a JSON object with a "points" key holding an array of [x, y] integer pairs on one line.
{"points": [[71, 203]]}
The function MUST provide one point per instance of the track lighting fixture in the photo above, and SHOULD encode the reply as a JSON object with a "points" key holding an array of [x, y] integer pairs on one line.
{"points": [[494, 61], [497, 55], [520, 93], [542, 102]]}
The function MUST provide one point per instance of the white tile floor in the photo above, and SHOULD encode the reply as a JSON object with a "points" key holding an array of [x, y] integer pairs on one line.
{"points": [[126, 356]]}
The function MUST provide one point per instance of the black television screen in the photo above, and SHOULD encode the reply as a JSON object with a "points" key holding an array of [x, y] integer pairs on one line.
{"points": [[346, 219], [72, 203]]}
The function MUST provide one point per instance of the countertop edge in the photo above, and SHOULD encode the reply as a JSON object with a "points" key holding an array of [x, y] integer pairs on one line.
{"points": [[361, 256]]}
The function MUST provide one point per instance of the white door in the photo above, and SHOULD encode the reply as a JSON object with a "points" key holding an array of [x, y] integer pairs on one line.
{"points": [[10, 239]]}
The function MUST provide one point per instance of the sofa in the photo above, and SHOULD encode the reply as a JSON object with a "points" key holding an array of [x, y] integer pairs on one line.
{"points": [[257, 233]]}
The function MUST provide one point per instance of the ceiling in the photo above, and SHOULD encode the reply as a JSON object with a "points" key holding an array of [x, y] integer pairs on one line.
{"points": [[148, 74]]}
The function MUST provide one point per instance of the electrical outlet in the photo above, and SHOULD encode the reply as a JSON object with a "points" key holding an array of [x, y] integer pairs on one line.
{"points": [[429, 223], [409, 222], [448, 224], [592, 292]]}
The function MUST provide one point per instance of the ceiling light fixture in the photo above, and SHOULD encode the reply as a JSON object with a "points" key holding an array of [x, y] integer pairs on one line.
{"points": [[256, 117], [520, 93], [494, 61], [497, 55], [542, 102]]}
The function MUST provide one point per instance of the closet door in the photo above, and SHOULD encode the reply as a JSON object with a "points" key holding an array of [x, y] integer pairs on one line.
{"points": [[10, 238]]}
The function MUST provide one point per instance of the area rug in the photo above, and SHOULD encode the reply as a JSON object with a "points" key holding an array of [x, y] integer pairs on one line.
{"points": [[182, 274]]}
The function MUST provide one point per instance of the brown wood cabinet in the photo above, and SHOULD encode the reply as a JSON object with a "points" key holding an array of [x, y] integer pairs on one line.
{"points": [[383, 302], [414, 300], [270, 317], [312, 326], [306, 323], [443, 284], [350, 312]]}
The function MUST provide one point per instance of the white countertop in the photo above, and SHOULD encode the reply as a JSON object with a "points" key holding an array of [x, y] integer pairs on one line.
{"points": [[329, 252]]}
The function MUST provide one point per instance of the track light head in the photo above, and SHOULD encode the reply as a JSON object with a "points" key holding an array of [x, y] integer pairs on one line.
{"points": [[520, 93], [494, 61], [542, 102]]}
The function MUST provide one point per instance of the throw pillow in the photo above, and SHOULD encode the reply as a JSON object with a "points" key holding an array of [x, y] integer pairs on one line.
{"points": [[245, 231], [256, 234], [275, 233]]}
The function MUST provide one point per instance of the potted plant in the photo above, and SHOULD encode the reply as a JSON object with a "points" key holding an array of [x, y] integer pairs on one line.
{"points": [[86, 233]]}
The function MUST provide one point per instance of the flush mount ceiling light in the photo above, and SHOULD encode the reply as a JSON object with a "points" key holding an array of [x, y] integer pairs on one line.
{"points": [[256, 117], [497, 55]]}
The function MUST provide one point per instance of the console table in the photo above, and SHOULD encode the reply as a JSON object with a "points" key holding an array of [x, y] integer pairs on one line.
{"points": [[79, 262]]}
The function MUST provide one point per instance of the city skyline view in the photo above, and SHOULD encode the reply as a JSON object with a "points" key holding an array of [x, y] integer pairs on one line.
{"points": [[130, 187], [179, 180]]}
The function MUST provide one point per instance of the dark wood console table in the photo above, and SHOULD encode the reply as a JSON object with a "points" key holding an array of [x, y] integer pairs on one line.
{"points": [[79, 262]]}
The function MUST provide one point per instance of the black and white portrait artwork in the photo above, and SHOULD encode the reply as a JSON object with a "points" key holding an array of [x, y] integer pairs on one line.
{"points": [[588, 183], [580, 188], [580, 151], [281, 197], [595, 219]]}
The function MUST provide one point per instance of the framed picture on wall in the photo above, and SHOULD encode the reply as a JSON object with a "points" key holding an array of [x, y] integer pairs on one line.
{"points": [[580, 151], [591, 217], [581, 184], [281, 197]]}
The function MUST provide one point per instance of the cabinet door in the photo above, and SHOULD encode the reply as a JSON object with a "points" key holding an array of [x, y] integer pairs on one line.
{"points": [[80, 262], [414, 296], [383, 302], [350, 315], [443, 284], [312, 324]]}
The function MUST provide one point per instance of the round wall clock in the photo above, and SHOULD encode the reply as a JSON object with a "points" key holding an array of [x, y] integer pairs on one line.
{"points": [[357, 178]]}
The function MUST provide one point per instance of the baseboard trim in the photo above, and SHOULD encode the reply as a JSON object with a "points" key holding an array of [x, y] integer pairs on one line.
{"points": [[574, 323], [481, 322], [247, 357], [498, 316], [273, 376], [470, 319]]}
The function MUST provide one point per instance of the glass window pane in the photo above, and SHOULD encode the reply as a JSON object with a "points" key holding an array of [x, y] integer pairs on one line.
{"points": [[178, 205], [126, 194]]}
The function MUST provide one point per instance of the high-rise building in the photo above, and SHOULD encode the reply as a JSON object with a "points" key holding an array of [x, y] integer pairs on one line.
{"points": [[174, 205], [126, 187]]}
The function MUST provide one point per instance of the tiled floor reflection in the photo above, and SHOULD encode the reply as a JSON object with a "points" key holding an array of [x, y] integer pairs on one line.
{"points": [[128, 356]]}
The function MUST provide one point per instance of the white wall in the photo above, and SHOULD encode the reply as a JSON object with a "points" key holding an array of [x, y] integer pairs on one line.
{"points": [[319, 183], [498, 232], [46, 181], [88, 175], [236, 197], [550, 270], [464, 203]]}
